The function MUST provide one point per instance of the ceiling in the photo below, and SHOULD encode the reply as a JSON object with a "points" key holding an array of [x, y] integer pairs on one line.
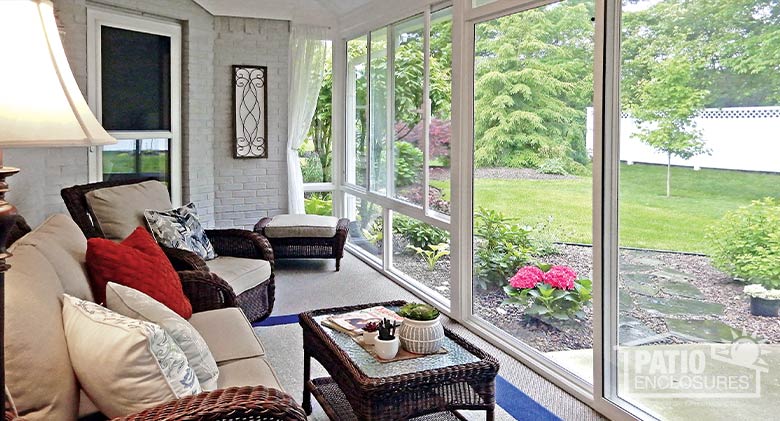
{"points": [[322, 12]]}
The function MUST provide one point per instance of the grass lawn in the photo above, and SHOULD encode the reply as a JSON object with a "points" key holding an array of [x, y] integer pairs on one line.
{"points": [[648, 219], [120, 162]]}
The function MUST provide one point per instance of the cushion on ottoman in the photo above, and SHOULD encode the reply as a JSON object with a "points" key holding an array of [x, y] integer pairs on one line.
{"points": [[286, 226]]}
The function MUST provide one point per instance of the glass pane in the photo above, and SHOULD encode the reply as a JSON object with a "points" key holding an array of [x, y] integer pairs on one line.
{"points": [[532, 180], [130, 159], [422, 252], [366, 225], [135, 80], [357, 112], [477, 3], [408, 74], [440, 131], [318, 203], [378, 109], [699, 209], [317, 148]]}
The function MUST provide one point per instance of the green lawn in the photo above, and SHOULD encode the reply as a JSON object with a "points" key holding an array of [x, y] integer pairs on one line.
{"points": [[648, 219], [119, 162]]}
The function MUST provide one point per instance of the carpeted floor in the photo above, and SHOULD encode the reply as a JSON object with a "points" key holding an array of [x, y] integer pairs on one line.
{"points": [[310, 284]]}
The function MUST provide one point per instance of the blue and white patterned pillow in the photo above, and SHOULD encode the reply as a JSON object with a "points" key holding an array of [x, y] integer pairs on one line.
{"points": [[125, 365], [180, 228]]}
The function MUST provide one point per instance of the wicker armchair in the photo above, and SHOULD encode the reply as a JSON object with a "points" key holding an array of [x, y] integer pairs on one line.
{"points": [[256, 302]]}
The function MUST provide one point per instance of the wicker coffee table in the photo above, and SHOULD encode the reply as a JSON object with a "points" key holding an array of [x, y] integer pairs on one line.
{"points": [[360, 388]]}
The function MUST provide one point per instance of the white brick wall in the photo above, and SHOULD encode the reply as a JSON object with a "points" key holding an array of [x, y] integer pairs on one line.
{"points": [[249, 189], [228, 192]]}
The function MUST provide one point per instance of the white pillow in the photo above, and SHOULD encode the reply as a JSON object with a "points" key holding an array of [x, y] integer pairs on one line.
{"points": [[124, 365], [133, 303]]}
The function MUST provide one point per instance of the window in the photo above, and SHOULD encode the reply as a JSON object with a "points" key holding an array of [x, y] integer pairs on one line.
{"points": [[134, 68], [398, 100], [532, 182], [316, 153]]}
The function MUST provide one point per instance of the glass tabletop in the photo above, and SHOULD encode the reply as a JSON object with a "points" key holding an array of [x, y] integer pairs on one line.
{"points": [[456, 355]]}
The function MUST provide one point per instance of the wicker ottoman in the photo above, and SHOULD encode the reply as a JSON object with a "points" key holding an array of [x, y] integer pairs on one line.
{"points": [[305, 236]]}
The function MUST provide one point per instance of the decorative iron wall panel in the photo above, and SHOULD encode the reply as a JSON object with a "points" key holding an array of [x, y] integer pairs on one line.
{"points": [[250, 97]]}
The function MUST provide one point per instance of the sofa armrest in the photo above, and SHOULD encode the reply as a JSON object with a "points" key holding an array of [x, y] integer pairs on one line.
{"points": [[235, 403], [184, 260], [241, 243], [206, 291]]}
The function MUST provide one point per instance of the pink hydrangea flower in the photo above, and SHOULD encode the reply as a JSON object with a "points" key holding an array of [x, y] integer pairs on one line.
{"points": [[526, 277], [561, 277]]}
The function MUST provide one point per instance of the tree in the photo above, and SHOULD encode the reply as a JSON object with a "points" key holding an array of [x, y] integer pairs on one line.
{"points": [[320, 130], [534, 80], [681, 56]]}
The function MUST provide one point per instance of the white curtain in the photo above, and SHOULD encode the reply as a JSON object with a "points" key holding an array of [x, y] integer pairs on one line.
{"points": [[307, 65]]}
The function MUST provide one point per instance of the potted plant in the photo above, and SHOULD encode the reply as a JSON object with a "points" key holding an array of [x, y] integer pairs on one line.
{"points": [[421, 331], [386, 344], [763, 302], [549, 292], [370, 332]]}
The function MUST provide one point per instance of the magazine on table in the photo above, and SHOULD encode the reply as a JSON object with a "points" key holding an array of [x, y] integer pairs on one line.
{"points": [[352, 323]]}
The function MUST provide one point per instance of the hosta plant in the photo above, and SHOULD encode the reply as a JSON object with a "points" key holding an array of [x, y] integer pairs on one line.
{"points": [[549, 292], [432, 254]]}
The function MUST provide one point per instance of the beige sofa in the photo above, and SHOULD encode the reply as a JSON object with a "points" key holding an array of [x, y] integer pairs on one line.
{"points": [[48, 262]]}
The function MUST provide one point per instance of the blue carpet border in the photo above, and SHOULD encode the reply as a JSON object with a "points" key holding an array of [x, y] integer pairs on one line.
{"points": [[508, 396]]}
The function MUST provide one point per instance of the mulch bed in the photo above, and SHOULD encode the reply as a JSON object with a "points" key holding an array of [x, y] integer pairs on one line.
{"points": [[715, 286]]}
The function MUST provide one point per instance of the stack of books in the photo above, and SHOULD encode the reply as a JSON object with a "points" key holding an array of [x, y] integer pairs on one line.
{"points": [[352, 323]]}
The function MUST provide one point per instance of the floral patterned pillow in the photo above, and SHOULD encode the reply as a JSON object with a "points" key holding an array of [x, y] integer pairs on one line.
{"points": [[180, 228], [124, 365]]}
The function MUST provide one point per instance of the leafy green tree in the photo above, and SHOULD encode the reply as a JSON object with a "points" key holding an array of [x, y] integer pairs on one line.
{"points": [[320, 130], [533, 82], [680, 56]]}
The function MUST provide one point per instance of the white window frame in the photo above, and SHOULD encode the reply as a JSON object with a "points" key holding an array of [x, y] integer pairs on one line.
{"points": [[96, 19], [602, 394]]}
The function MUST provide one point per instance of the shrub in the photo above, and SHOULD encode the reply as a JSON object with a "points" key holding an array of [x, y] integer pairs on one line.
{"points": [[408, 164], [553, 166], [419, 234], [318, 206], [550, 292], [502, 247], [746, 243], [311, 168]]}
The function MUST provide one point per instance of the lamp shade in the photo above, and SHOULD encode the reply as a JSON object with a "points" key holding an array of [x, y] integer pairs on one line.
{"points": [[40, 103]]}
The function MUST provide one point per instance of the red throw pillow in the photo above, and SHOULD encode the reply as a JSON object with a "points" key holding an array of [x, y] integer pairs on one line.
{"points": [[139, 263]]}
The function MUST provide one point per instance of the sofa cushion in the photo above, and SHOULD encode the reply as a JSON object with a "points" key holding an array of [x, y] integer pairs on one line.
{"points": [[240, 273], [38, 371], [120, 210], [180, 228], [285, 226], [137, 305], [63, 244], [137, 262], [228, 334], [124, 365], [248, 372]]}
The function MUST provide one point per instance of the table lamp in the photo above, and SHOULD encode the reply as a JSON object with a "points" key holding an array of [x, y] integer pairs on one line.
{"points": [[40, 103]]}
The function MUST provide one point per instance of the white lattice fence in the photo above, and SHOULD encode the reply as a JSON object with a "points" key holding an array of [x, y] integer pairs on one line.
{"points": [[739, 138]]}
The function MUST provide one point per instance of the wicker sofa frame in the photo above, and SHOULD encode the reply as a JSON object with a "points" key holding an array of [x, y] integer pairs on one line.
{"points": [[308, 247], [235, 403], [207, 294]]}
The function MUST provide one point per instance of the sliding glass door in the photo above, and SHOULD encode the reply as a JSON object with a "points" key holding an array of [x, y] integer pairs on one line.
{"points": [[532, 247], [699, 183]]}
